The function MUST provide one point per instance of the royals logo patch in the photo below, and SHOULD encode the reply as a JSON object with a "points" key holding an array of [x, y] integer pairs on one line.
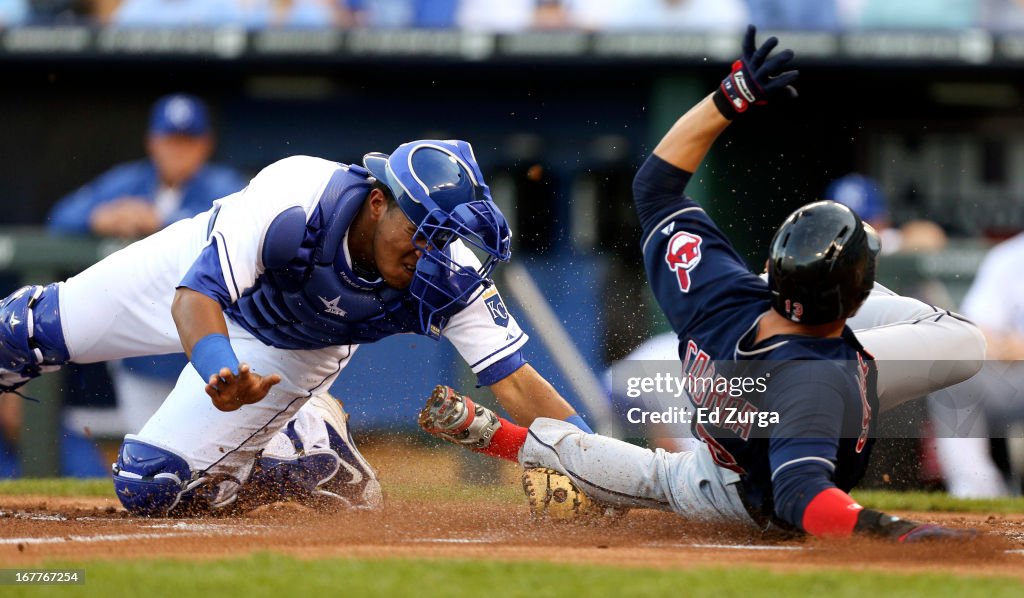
{"points": [[682, 256], [496, 307]]}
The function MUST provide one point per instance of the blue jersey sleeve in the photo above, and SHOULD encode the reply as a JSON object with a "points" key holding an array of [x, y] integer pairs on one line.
{"points": [[205, 276], [692, 267], [659, 187], [501, 369], [803, 448]]}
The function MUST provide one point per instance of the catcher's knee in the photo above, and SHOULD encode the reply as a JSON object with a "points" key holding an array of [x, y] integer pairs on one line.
{"points": [[149, 480], [31, 337]]}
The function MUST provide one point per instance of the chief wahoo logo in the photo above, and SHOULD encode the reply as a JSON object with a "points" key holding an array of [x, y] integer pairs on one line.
{"points": [[683, 255]]}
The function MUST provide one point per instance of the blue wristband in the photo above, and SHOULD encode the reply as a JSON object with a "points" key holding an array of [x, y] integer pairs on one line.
{"points": [[212, 353]]}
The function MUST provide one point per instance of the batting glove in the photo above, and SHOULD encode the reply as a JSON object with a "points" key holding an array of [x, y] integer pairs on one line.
{"points": [[755, 78], [905, 531]]}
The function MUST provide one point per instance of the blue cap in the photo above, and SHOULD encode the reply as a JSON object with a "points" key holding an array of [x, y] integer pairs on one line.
{"points": [[179, 114], [859, 193]]}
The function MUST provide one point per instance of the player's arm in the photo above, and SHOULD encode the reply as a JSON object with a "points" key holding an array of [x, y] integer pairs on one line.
{"points": [[690, 138], [204, 336], [814, 504], [256, 228], [490, 340], [755, 79], [803, 458], [526, 395]]}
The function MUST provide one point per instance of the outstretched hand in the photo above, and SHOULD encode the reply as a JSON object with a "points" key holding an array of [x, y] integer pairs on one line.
{"points": [[757, 77], [768, 72], [930, 533], [230, 391], [906, 531]]}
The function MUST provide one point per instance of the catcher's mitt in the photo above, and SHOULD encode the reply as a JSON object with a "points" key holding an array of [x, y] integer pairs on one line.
{"points": [[552, 495]]}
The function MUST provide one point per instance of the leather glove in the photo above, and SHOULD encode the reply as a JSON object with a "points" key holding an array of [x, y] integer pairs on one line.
{"points": [[756, 78]]}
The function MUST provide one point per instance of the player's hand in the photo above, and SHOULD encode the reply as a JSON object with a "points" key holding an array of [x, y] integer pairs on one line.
{"points": [[906, 531], [756, 78], [230, 391], [927, 532]]}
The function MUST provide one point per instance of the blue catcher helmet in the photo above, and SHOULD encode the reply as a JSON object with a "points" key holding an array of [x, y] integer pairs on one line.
{"points": [[439, 187]]}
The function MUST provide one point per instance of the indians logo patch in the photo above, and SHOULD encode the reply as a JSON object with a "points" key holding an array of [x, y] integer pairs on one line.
{"points": [[682, 256], [497, 309]]}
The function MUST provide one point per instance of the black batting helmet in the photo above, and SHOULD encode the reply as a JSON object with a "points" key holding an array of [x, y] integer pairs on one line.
{"points": [[821, 264]]}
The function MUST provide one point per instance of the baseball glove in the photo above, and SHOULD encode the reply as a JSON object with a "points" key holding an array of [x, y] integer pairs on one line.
{"points": [[553, 496]]}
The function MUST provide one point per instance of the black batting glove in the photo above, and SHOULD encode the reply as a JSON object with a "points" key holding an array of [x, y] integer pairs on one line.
{"points": [[756, 78], [905, 531]]}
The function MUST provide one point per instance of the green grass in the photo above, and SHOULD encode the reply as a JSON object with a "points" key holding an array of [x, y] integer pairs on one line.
{"points": [[936, 501], [275, 576], [102, 487]]}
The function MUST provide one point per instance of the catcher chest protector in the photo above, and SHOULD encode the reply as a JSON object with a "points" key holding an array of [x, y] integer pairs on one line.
{"points": [[822, 263]]}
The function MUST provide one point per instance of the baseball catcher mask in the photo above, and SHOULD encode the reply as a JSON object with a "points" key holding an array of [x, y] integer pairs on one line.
{"points": [[439, 187]]}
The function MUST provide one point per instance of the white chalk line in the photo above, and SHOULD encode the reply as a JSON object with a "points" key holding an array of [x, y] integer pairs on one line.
{"points": [[123, 537], [455, 540], [721, 546]]}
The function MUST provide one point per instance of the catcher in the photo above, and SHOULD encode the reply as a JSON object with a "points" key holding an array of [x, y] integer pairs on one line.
{"points": [[822, 385]]}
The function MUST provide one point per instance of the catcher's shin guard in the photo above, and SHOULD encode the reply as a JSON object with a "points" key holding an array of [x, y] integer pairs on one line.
{"points": [[456, 418], [31, 338], [153, 481], [149, 480]]}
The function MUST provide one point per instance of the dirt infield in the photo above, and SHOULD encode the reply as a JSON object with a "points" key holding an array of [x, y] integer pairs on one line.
{"points": [[35, 529]]}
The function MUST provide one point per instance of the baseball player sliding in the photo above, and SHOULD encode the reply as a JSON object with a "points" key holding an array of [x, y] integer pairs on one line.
{"points": [[270, 293], [821, 384]]}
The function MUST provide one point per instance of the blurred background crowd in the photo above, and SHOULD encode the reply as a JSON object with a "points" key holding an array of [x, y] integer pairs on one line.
{"points": [[518, 15], [109, 148]]}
